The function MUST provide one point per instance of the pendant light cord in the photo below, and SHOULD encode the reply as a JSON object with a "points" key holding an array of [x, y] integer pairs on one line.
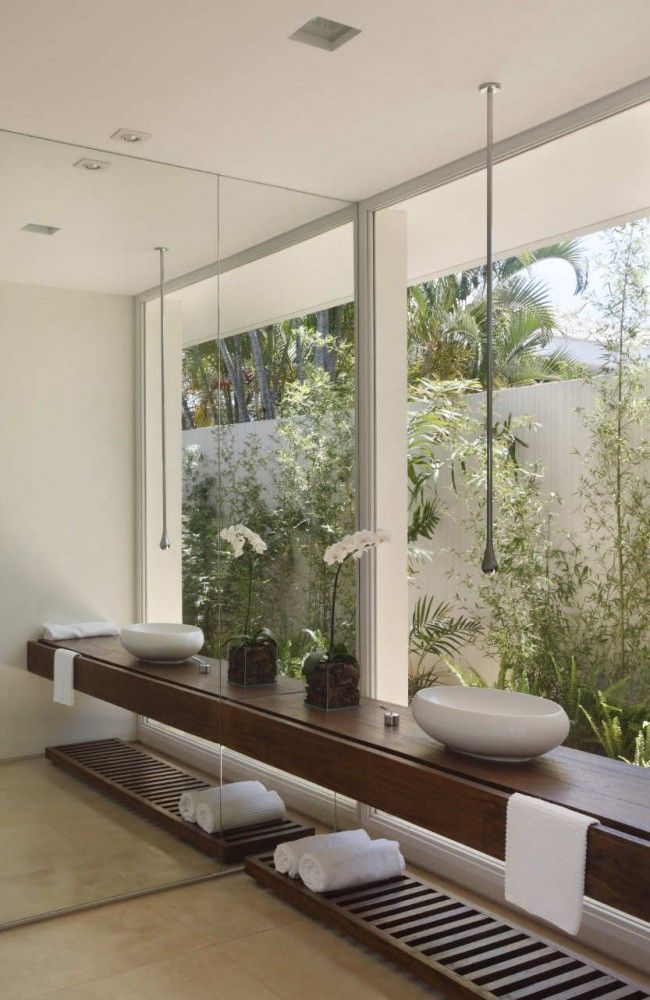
{"points": [[489, 563], [164, 538]]}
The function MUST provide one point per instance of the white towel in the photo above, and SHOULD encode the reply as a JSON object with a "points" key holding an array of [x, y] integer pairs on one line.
{"points": [[190, 800], [54, 632], [344, 867], [546, 850], [287, 856], [64, 676], [233, 811]]}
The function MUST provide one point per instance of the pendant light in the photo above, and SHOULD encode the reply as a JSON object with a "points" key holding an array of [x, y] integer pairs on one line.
{"points": [[489, 564], [164, 538]]}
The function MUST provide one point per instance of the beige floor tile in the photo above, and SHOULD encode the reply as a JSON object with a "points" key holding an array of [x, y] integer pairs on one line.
{"points": [[14, 773], [308, 959], [203, 975], [13, 810], [227, 908], [49, 889], [32, 846], [70, 950], [63, 844]]}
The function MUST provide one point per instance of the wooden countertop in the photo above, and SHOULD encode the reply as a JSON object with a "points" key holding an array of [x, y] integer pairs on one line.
{"points": [[614, 792], [398, 770]]}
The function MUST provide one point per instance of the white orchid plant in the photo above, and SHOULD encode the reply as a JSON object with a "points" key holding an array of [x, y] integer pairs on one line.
{"points": [[247, 543], [349, 547]]}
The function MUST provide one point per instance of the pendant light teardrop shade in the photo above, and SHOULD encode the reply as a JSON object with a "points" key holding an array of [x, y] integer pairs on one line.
{"points": [[489, 564]]}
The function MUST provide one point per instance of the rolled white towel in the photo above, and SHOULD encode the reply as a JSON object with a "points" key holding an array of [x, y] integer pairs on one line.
{"points": [[190, 800], [287, 856], [345, 867], [55, 632], [239, 810]]}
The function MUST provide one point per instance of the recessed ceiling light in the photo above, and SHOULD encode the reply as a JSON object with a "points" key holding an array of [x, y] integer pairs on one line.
{"points": [[130, 135], [35, 227], [87, 164], [324, 34]]}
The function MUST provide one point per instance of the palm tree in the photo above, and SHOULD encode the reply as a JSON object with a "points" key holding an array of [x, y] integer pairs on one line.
{"points": [[448, 322]]}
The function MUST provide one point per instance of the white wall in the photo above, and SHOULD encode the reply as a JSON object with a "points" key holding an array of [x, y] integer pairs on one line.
{"points": [[67, 532]]}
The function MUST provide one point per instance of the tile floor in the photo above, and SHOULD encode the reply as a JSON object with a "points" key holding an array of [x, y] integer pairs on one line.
{"points": [[222, 939], [63, 844]]}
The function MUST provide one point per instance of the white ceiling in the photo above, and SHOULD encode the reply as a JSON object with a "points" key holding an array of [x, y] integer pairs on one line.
{"points": [[585, 181], [111, 220], [222, 88]]}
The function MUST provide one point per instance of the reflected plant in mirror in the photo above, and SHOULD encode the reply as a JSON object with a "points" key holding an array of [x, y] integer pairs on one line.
{"points": [[333, 677], [252, 656]]}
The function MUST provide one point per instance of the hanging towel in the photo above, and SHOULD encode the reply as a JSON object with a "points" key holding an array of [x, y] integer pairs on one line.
{"points": [[287, 856], [232, 811], [358, 864], [64, 676], [54, 632], [190, 800], [546, 850]]}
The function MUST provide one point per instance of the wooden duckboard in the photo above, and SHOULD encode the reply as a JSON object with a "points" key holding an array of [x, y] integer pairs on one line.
{"points": [[153, 788], [460, 950]]}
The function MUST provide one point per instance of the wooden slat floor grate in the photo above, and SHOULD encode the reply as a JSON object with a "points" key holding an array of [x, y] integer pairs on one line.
{"points": [[449, 943], [153, 787]]}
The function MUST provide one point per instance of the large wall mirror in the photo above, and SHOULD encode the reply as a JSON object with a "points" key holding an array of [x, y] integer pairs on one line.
{"points": [[260, 430]]}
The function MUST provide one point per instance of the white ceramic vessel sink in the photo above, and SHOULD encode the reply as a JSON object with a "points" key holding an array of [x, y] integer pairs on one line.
{"points": [[162, 642], [489, 723]]}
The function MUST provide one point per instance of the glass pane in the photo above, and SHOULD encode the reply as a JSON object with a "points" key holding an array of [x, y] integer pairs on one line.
{"points": [[567, 616], [268, 434], [77, 246]]}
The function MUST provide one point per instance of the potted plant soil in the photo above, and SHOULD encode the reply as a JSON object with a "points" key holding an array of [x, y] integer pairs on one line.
{"points": [[332, 676], [252, 656]]}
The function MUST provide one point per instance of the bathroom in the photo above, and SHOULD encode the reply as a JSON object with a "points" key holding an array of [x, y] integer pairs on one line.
{"points": [[187, 351]]}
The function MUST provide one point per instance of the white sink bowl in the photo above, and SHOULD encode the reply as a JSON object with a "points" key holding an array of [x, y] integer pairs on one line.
{"points": [[489, 723], [162, 642]]}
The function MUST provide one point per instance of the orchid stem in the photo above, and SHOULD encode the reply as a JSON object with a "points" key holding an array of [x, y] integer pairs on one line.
{"points": [[250, 595], [330, 650]]}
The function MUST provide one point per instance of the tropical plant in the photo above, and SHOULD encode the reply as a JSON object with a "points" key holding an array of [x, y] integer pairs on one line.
{"points": [[641, 747], [437, 631], [246, 376], [447, 322], [614, 489]]}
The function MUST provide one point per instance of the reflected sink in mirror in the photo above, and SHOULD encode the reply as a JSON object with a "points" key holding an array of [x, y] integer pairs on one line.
{"points": [[162, 642], [489, 723]]}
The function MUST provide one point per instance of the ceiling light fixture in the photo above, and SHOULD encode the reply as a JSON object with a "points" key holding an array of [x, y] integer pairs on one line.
{"points": [[93, 165], [324, 34], [489, 564], [36, 227], [131, 135]]}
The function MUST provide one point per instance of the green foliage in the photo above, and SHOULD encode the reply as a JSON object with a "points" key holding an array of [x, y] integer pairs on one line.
{"points": [[247, 376], [447, 322], [641, 747], [436, 631], [297, 498], [615, 486]]}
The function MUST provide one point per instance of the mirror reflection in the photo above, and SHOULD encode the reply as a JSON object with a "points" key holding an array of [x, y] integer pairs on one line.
{"points": [[258, 357]]}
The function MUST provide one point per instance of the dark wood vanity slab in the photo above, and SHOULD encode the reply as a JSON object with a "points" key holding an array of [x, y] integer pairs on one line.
{"points": [[398, 770]]}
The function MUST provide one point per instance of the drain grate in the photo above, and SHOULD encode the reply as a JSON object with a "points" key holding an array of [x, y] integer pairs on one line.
{"points": [[439, 938], [153, 787]]}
